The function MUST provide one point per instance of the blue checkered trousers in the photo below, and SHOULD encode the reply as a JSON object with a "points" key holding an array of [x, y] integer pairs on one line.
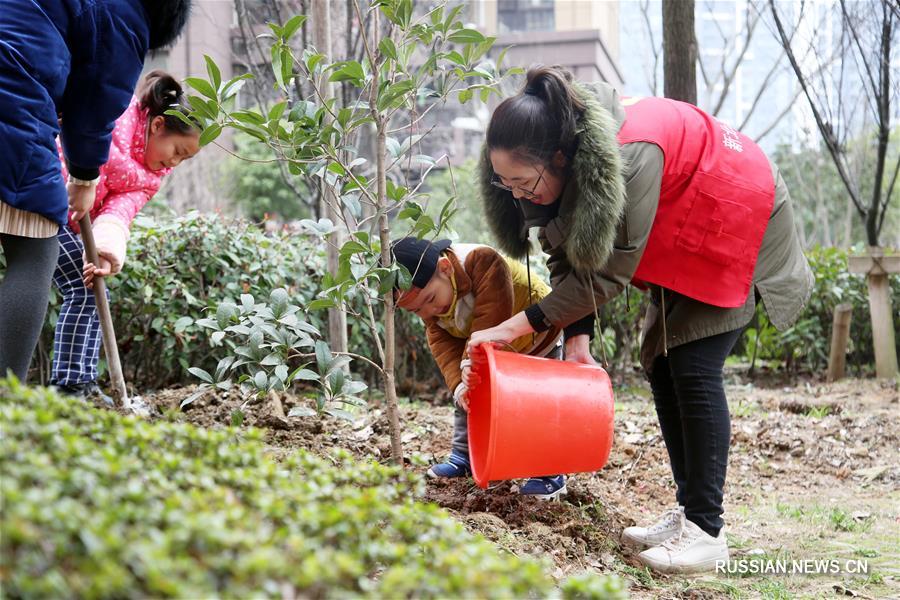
{"points": [[76, 345]]}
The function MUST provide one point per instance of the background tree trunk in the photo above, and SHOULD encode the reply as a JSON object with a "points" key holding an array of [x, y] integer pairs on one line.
{"points": [[337, 318], [679, 51]]}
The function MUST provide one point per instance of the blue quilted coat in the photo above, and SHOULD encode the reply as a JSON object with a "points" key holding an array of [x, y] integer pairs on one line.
{"points": [[74, 60]]}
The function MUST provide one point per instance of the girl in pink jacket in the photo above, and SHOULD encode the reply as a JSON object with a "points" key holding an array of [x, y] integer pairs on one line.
{"points": [[146, 145]]}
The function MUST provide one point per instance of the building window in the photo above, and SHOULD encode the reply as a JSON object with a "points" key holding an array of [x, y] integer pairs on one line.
{"points": [[525, 15]]}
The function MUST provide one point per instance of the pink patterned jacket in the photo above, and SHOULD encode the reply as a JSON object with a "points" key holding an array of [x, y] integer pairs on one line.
{"points": [[126, 183]]}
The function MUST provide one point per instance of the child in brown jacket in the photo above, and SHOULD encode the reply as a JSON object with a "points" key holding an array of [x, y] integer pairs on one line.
{"points": [[458, 289]]}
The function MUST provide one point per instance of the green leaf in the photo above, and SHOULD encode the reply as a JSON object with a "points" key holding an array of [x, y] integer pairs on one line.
{"points": [[213, 70], [276, 65], [412, 211], [456, 57], [271, 360], [465, 95], [404, 13], [336, 381], [404, 277], [393, 147], [202, 86], [393, 96], [466, 36], [323, 356], [199, 115], [190, 399], [320, 303], [312, 60], [340, 414], [293, 24], [260, 380], [281, 372], [277, 110], [353, 247], [223, 366], [247, 302], [224, 313], [279, 301], [387, 48], [351, 71], [201, 374], [237, 417], [210, 133], [301, 411], [182, 323], [234, 84], [303, 374]]}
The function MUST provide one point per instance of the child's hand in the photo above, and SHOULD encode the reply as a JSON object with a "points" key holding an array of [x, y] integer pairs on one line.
{"points": [[461, 397], [469, 378], [91, 270]]}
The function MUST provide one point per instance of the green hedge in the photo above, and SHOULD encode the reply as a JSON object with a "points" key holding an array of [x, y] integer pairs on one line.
{"points": [[806, 344], [100, 505], [176, 268]]}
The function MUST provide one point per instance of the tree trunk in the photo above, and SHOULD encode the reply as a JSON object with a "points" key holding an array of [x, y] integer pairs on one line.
{"points": [[384, 232], [337, 318], [679, 51]]}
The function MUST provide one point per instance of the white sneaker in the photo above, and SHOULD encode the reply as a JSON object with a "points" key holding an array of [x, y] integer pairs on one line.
{"points": [[691, 551], [668, 524]]}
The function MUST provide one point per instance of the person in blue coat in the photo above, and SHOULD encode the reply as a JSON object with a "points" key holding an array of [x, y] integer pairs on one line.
{"points": [[67, 68]]}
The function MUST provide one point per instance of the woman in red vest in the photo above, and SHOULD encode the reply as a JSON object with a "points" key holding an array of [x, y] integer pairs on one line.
{"points": [[657, 194]]}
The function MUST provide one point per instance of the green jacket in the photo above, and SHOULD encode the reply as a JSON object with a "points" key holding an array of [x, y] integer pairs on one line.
{"points": [[595, 234]]}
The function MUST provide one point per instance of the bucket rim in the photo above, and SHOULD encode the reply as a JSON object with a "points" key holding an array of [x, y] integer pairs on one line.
{"points": [[491, 452]]}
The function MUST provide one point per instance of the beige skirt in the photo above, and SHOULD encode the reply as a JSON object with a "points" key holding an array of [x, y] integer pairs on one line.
{"points": [[14, 221]]}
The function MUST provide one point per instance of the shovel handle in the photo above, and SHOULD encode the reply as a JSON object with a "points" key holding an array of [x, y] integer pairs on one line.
{"points": [[110, 347]]}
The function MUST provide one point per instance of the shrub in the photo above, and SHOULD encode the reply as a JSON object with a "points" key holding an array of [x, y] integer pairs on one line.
{"points": [[267, 346], [806, 344], [176, 268], [96, 504]]}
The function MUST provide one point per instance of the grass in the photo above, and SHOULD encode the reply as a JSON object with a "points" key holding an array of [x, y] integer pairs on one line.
{"points": [[644, 577], [772, 589], [844, 521], [838, 518], [818, 412]]}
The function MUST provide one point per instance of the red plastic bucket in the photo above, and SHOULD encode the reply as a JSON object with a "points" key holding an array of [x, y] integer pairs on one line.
{"points": [[533, 417]]}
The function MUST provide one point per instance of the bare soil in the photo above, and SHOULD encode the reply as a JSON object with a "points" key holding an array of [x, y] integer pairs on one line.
{"points": [[814, 473]]}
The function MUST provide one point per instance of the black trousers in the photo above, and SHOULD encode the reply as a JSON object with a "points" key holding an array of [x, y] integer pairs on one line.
{"points": [[693, 415]]}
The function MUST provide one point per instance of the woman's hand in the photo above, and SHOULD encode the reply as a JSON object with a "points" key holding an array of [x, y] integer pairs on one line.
{"points": [[578, 349], [91, 270], [510, 329], [81, 199]]}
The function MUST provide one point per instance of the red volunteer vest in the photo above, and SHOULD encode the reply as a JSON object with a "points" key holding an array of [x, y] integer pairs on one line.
{"points": [[715, 200]]}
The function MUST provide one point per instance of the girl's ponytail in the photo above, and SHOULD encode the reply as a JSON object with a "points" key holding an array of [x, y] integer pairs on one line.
{"points": [[159, 92]]}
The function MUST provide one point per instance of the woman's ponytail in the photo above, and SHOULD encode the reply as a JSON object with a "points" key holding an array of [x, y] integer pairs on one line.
{"points": [[160, 92], [541, 119]]}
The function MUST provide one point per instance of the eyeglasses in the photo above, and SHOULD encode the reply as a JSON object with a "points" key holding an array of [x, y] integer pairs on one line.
{"points": [[526, 193]]}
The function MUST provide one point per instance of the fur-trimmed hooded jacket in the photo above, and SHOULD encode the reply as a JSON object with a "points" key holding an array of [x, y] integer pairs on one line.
{"points": [[595, 234]]}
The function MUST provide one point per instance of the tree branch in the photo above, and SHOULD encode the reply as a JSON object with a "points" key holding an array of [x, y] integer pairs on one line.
{"points": [[824, 128]]}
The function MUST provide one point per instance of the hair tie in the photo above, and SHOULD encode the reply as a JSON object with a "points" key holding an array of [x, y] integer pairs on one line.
{"points": [[531, 90]]}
